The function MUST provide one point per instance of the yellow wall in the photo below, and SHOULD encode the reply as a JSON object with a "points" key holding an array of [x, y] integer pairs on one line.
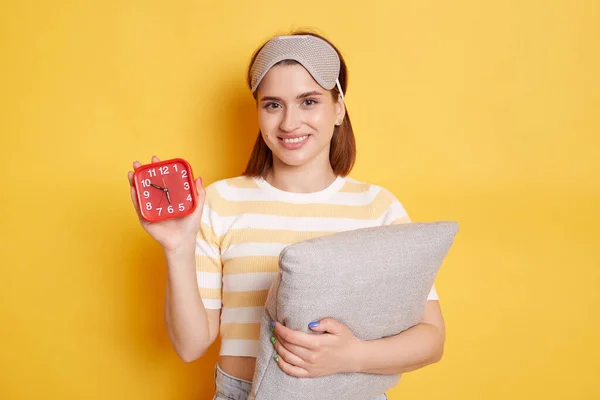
{"points": [[482, 112]]}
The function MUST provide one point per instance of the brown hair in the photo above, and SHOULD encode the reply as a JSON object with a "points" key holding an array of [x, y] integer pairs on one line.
{"points": [[342, 152]]}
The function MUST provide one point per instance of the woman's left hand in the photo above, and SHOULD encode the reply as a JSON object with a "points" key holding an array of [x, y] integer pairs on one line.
{"points": [[307, 355]]}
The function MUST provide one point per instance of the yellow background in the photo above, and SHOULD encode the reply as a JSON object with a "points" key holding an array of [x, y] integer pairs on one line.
{"points": [[482, 112]]}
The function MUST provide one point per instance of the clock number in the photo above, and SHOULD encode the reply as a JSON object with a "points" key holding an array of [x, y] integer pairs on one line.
{"points": [[181, 207], [189, 198], [159, 210], [146, 194], [175, 166], [164, 170], [184, 173], [170, 209], [152, 172], [148, 206], [146, 183], [186, 185]]}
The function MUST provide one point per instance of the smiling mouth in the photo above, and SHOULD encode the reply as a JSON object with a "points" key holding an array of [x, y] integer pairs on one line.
{"points": [[294, 140]]}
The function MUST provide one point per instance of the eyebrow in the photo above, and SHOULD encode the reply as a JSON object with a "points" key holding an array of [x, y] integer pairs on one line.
{"points": [[300, 96]]}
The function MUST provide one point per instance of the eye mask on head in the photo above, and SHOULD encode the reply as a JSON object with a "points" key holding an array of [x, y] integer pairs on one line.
{"points": [[317, 56]]}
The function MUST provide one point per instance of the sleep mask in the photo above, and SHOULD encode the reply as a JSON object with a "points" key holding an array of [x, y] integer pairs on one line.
{"points": [[317, 56]]}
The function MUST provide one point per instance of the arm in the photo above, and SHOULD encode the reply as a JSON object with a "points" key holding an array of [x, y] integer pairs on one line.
{"points": [[193, 294], [190, 327], [306, 355], [416, 347]]}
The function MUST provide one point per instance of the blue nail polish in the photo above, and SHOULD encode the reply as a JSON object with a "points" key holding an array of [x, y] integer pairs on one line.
{"points": [[313, 325], [273, 324]]}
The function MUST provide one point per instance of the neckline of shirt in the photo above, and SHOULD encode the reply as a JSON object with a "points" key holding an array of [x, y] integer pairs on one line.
{"points": [[279, 194]]}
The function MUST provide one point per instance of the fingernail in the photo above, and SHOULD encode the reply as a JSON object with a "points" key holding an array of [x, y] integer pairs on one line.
{"points": [[273, 339], [276, 358], [313, 325], [273, 324], [200, 181]]}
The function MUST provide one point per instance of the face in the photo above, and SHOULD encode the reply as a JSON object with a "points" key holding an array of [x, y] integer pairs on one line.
{"points": [[297, 116]]}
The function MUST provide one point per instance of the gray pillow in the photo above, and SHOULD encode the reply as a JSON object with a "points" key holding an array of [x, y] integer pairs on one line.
{"points": [[373, 280]]}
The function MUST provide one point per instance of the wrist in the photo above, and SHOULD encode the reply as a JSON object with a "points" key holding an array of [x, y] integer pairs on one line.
{"points": [[358, 355], [184, 251]]}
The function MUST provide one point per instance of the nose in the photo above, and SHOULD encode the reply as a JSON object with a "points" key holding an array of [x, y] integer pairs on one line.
{"points": [[291, 120]]}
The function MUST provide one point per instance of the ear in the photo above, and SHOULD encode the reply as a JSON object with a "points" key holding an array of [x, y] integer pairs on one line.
{"points": [[340, 110]]}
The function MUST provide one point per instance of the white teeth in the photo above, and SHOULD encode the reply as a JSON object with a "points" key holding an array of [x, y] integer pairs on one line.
{"points": [[295, 140]]}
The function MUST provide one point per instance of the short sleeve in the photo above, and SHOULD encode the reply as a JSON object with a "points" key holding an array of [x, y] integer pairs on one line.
{"points": [[396, 214], [209, 269]]}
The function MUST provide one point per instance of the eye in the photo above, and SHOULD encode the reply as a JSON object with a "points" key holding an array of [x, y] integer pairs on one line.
{"points": [[272, 105], [309, 102]]}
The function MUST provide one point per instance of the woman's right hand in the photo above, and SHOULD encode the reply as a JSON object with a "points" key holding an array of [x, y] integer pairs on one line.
{"points": [[173, 234]]}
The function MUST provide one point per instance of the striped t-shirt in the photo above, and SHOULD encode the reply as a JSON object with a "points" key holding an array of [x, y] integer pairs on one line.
{"points": [[246, 223]]}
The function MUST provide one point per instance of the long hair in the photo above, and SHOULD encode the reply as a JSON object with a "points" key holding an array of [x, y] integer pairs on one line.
{"points": [[342, 152]]}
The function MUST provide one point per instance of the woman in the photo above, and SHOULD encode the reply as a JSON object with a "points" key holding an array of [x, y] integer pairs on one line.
{"points": [[223, 257]]}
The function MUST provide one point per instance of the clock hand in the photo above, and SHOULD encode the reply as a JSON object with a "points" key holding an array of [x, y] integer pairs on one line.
{"points": [[157, 187], [166, 191]]}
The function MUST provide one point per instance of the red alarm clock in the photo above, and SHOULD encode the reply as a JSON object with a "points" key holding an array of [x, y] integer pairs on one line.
{"points": [[165, 189]]}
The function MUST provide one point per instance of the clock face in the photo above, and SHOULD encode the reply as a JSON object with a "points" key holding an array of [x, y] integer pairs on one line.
{"points": [[165, 189]]}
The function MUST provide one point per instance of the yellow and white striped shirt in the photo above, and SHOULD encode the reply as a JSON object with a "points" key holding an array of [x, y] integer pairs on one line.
{"points": [[246, 222]]}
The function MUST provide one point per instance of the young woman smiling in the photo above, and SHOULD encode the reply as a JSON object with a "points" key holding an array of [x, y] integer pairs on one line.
{"points": [[222, 258]]}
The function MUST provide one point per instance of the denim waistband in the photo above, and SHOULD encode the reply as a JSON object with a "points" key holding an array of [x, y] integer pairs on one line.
{"points": [[231, 387]]}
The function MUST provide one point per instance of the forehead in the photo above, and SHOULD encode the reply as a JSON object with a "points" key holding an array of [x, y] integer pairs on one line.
{"points": [[282, 80]]}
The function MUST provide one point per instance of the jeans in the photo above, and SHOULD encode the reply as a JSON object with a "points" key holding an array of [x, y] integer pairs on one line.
{"points": [[232, 388]]}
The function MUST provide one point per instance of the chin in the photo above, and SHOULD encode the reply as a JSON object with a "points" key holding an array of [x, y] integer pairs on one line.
{"points": [[293, 161]]}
